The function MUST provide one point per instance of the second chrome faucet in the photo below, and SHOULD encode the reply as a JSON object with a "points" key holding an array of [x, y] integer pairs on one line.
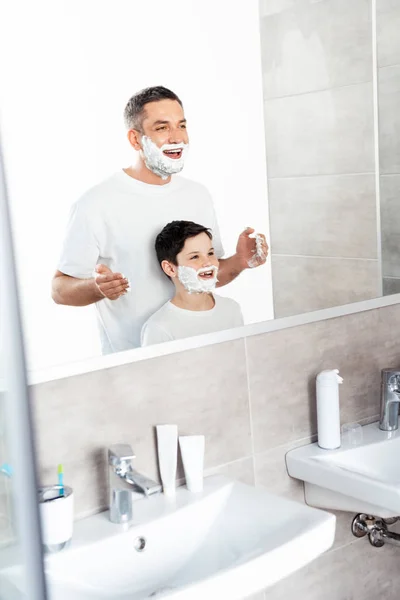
{"points": [[390, 399]]}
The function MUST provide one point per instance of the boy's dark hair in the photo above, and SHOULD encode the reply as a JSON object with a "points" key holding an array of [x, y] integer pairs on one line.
{"points": [[170, 241], [135, 109]]}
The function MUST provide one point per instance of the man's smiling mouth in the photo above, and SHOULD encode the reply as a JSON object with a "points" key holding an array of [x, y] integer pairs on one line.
{"points": [[173, 153]]}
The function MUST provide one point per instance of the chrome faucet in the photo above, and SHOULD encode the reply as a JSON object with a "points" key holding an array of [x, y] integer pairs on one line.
{"points": [[120, 471], [390, 399]]}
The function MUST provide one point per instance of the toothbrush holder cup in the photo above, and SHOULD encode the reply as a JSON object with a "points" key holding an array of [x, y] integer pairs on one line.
{"points": [[56, 506]]}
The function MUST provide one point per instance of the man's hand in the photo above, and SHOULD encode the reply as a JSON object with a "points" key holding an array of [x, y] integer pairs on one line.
{"points": [[111, 285], [251, 251]]}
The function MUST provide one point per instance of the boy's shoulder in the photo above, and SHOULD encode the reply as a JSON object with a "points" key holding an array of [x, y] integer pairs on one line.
{"points": [[158, 317], [230, 308], [223, 302]]}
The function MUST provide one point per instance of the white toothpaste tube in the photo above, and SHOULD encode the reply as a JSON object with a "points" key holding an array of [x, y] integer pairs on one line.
{"points": [[167, 446], [192, 450]]}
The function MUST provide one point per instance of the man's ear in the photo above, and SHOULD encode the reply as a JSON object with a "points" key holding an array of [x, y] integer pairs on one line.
{"points": [[169, 269], [134, 138]]}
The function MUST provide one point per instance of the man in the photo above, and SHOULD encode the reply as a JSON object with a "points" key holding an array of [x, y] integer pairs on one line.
{"points": [[108, 254], [185, 252]]}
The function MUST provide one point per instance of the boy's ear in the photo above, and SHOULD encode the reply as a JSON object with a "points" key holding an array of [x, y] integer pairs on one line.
{"points": [[169, 269]]}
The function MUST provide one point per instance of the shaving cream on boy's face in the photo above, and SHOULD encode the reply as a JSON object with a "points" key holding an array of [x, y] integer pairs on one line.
{"points": [[158, 162], [194, 283]]}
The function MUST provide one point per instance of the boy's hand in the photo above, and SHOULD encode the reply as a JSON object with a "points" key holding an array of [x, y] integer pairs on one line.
{"points": [[111, 285]]}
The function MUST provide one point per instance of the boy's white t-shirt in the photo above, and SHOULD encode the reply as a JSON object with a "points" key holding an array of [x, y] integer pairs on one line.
{"points": [[116, 223], [172, 323]]}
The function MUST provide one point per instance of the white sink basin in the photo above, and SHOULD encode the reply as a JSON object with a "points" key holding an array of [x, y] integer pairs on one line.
{"points": [[229, 541], [361, 479]]}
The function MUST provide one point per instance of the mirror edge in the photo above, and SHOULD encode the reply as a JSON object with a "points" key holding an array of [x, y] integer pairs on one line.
{"points": [[137, 354]]}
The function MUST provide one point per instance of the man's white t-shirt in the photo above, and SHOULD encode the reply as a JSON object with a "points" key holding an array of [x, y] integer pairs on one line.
{"points": [[173, 323], [116, 223]]}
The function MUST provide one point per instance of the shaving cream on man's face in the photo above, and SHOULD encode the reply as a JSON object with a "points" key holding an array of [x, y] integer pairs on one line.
{"points": [[194, 284], [158, 162]]}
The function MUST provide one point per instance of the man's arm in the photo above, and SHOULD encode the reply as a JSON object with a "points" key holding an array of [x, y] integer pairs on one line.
{"points": [[229, 269], [247, 256], [72, 291]]}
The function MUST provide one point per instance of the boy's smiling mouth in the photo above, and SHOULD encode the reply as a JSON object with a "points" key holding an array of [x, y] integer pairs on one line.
{"points": [[207, 274]]}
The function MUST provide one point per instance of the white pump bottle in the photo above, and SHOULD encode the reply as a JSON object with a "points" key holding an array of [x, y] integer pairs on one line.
{"points": [[328, 410]]}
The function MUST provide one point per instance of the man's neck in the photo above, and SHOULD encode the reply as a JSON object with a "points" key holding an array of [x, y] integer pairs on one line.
{"points": [[197, 302], [140, 172]]}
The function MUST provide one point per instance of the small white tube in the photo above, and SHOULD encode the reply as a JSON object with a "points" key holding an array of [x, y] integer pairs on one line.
{"points": [[167, 446], [192, 450]]}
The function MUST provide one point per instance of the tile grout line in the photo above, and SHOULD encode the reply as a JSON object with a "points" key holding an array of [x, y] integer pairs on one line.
{"points": [[317, 256], [229, 463], [346, 544], [375, 99], [314, 175], [317, 91], [397, 64], [309, 439], [250, 410], [332, 175]]}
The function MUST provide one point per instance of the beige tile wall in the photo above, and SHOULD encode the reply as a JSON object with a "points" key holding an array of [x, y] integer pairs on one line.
{"points": [[388, 26], [320, 133], [307, 283], [389, 119], [254, 400], [319, 126], [388, 45], [390, 224], [306, 51], [330, 208]]}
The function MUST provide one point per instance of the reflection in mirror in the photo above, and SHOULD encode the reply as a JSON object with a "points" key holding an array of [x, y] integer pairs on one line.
{"points": [[98, 164], [284, 138], [331, 81], [320, 151]]}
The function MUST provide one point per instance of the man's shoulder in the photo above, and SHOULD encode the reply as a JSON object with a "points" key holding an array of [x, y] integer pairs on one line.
{"points": [[98, 192]]}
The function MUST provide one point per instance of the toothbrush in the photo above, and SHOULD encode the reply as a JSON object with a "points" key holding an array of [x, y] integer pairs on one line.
{"points": [[6, 469], [60, 473]]}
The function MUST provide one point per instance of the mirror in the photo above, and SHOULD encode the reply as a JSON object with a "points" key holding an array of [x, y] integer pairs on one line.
{"points": [[283, 131]]}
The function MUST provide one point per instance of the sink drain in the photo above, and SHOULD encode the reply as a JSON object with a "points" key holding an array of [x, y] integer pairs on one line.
{"points": [[161, 591], [140, 544]]}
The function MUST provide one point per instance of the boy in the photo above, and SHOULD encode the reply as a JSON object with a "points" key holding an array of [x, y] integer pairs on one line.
{"points": [[186, 255]]}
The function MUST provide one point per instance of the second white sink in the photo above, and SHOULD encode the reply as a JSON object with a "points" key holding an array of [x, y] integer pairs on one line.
{"points": [[361, 479]]}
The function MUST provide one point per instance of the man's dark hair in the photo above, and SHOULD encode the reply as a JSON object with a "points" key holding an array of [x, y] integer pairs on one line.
{"points": [[134, 112], [170, 241]]}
